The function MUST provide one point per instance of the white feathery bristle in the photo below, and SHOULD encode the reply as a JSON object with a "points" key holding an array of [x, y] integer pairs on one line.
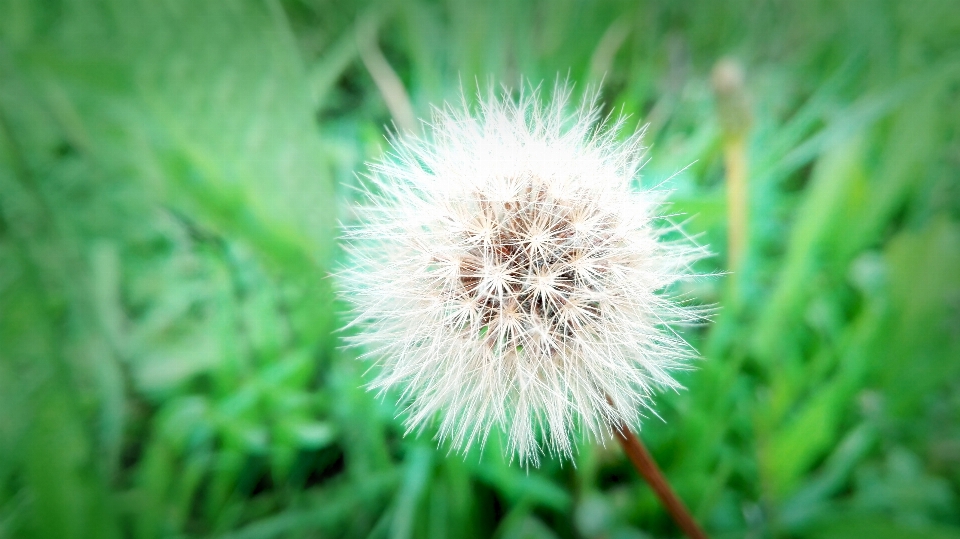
{"points": [[505, 273]]}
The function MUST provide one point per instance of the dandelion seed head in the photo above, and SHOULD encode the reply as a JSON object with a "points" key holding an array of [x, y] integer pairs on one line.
{"points": [[507, 273]]}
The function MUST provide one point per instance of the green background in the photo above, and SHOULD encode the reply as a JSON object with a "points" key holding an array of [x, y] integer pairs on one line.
{"points": [[171, 176]]}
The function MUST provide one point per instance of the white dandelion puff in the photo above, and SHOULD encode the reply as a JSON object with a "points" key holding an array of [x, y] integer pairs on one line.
{"points": [[507, 273]]}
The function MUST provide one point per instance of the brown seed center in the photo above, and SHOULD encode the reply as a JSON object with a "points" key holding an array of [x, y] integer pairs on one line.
{"points": [[525, 276]]}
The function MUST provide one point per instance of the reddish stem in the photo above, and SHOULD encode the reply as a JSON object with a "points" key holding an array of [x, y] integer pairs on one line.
{"points": [[644, 463]]}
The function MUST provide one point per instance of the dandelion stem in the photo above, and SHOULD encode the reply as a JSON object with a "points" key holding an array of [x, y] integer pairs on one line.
{"points": [[644, 463], [735, 156], [733, 111]]}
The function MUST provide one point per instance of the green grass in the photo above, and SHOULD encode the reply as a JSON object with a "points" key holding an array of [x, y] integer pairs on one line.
{"points": [[171, 174]]}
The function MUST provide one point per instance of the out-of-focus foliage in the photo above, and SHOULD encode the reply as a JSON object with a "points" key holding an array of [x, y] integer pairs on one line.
{"points": [[171, 173]]}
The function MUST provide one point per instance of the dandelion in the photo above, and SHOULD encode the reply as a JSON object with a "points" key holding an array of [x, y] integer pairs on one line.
{"points": [[507, 272]]}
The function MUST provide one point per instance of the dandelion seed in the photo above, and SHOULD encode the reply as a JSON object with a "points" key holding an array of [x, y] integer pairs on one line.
{"points": [[506, 273]]}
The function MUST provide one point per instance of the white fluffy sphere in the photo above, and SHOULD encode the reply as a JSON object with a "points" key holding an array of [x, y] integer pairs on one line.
{"points": [[506, 272]]}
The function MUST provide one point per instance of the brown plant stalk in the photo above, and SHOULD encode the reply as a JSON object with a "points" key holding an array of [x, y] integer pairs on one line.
{"points": [[644, 463]]}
